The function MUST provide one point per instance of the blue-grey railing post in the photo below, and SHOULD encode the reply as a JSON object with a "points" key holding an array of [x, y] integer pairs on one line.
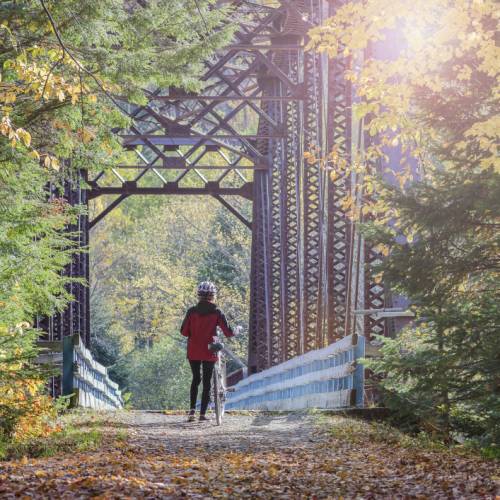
{"points": [[359, 372], [91, 382], [68, 365]]}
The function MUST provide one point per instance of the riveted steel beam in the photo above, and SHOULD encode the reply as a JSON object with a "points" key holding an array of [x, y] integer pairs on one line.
{"points": [[339, 247], [129, 188], [265, 101]]}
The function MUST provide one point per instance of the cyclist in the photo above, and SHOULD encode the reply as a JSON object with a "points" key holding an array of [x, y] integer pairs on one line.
{"points": [[200, 326]]}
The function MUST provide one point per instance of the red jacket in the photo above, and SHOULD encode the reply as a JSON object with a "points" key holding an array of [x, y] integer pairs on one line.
{"points": [[200, 327]]}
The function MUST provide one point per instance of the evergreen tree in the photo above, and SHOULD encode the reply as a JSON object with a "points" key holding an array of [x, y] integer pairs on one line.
{"points": [[445, 370], [437, 101], [67, 69]]}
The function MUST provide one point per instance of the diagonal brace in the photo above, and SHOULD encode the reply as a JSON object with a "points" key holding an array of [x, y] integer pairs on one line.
{"points": [[233, 210], [108, 209]]}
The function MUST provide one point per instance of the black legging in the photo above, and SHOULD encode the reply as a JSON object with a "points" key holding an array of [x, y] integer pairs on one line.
{"points": [[208, 369]]}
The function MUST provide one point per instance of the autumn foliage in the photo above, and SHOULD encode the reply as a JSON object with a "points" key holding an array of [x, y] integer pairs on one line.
{"points": [[67, 70], [426, 80], [263, 456]]}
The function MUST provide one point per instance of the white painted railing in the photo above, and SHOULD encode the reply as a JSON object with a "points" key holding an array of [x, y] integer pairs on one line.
{"points": [[94, 387], [87, 379], [325, 378]]}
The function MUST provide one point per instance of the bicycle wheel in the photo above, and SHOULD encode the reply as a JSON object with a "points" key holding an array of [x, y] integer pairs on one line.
{"points": [[222, 390], [217, 397]]}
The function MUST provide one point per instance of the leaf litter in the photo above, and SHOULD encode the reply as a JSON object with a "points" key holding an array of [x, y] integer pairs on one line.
{"points": [[249, 456]]}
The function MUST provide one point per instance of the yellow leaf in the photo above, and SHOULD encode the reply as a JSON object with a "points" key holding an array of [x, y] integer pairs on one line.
{"points": [[10, 97], [24, 135], [87, 135], [54, 163], [34, 155], [334, 175]]}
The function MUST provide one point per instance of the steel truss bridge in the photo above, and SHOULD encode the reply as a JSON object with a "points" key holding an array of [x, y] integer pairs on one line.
{"points": [[265, 102]]}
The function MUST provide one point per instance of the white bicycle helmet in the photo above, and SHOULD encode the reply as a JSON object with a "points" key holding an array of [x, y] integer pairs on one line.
{"points": [[206, 290]]}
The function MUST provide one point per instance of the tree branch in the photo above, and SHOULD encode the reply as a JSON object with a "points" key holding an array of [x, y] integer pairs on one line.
{"points": [[75, 60]]}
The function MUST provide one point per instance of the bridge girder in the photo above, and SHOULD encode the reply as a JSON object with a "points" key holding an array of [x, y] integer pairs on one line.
{"points": [[304, 280]]}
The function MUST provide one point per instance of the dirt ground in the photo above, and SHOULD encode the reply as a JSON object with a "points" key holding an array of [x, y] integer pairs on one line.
{"points": [[249, 456]]}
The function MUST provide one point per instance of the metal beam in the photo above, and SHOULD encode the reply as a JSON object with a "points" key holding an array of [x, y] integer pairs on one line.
{"points": [[313, 195], [198, 167], [170, 139], [233, 210], [172, 188], [273, 46], [339, 245], [107, 210], [228, 98]]}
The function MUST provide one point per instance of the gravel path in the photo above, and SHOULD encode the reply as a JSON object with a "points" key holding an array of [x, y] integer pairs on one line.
{"points": [[241, 433]]}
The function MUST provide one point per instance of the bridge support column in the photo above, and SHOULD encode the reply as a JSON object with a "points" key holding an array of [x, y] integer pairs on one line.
{"points": [[260, 284], [339, 228], [75, 319]]}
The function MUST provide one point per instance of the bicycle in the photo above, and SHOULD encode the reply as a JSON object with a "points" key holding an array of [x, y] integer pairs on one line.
{"points": [[219, 381], [219, 387], [219, 376]]}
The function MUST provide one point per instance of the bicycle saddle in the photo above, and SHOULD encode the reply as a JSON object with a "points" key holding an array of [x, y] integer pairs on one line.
{"points": [[215, 346]]}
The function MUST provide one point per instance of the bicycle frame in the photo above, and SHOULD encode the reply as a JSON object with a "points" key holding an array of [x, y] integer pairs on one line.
{"points": [[219, 387]]}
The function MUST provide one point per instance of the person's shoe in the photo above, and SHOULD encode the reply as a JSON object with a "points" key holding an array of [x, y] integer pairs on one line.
{"points": [[191, 417], [203, 418]]}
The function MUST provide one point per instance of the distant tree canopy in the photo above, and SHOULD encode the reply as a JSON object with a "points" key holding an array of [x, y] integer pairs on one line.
{"points": [[66, 69], [147, 257], [435, 97]]}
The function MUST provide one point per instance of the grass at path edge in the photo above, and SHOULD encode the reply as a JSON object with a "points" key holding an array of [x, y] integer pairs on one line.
{"points": [[80, 431]]}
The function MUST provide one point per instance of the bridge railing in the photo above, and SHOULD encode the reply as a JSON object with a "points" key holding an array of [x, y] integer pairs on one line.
{"points": [[325, 378], [83, 378], [87, 379]]}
